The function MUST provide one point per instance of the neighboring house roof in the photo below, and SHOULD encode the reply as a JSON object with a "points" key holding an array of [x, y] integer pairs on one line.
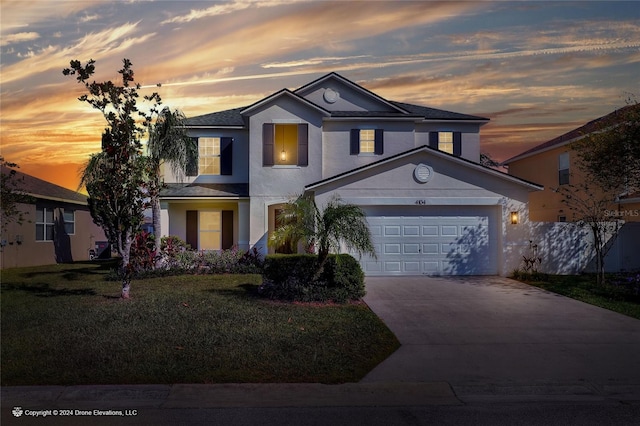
{"points": [[234, 117], [572, 135], [464, 161], [629, 198], [38, 188], [205, 190]]}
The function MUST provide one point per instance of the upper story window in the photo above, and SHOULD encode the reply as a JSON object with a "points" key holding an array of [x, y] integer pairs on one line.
{"points": [[285, 144], [215, 157], [44, 224], [445, 142], [209, 156], [367, 141], [69, 222], [563, 169], [449, 142]]}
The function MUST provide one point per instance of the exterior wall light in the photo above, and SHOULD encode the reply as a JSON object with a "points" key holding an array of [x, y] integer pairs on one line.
{"points": [[283, 155], [514, 218]]}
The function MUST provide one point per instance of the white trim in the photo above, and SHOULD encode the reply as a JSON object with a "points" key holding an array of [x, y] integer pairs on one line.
{"points": [[426, 201], [287, 121]]}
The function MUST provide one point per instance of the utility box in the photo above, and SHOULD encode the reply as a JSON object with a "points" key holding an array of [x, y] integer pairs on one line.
{"points": [[103, 250]]}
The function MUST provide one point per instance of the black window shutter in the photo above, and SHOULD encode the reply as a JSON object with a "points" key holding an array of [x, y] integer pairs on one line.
{"points": [[355, 142], [226, 156], [379, 142], [192, 161], [227, 229], [433, 140], [267, 144], [303, 144], [457, 144], [192, 229]]}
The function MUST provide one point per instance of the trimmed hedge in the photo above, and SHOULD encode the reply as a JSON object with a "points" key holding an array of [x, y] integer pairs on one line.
{"points": [[290, 277]]}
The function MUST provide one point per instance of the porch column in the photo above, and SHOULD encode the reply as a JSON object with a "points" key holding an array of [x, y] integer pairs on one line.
{"points": [[243, 224], [164, 220]]}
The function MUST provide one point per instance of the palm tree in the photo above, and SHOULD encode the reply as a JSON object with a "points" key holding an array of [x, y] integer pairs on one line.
{"points": [[338, 223], [168, 144]]}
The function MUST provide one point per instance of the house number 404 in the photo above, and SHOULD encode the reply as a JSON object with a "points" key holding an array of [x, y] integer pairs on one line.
{"points": [[421, 202]]}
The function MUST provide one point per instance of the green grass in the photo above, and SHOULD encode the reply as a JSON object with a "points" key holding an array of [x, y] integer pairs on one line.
{"points": [[585, 289], [65, 325]]}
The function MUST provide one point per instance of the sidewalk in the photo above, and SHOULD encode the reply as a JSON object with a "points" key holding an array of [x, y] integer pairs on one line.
{"points": [[378, 394], [228, 395]]}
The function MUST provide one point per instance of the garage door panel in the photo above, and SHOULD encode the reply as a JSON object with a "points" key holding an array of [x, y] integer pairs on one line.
{"points": [[411, 230], [429, 230], [412, 248], [392, 230], [455, 240]]}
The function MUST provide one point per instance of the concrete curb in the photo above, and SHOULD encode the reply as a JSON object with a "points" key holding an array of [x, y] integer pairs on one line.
{"points": [[229, 395]]}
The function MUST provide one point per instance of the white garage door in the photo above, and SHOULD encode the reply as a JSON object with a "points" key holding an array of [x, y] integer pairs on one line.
{"points": [[433, 240]]}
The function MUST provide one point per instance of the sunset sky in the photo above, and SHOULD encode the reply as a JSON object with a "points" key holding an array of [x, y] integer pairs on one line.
{"points": [[536, 69]]}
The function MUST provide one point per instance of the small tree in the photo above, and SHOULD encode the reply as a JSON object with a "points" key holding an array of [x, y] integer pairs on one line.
{"points": [[168, 143], [325, 230], [588, 205], [609, 155], [11, 195], [610, 152], [114, 178]]}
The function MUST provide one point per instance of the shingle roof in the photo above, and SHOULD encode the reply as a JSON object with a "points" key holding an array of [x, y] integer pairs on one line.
{"points": [[39, 188], [436, 114], [574, 134], [197, 190], [230, 117], [233, 117]]}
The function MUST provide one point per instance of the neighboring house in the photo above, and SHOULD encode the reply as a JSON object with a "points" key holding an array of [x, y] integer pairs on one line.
{"points": [[431, 207], [58, 227], [554, 164]]}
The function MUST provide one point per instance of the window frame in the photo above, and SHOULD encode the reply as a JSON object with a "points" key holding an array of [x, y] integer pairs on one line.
{"points": [[442, 144], [434, 142], [45, 224], [270, 146], [202, 157], [564, 173], [71, 222], [355, 141], [209, 231]]}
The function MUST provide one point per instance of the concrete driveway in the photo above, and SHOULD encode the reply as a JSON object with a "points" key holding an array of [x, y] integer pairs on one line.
{"points": [[497, 330]]}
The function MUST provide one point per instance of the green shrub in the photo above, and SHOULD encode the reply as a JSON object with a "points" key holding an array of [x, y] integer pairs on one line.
{"points": [[291, 277]]}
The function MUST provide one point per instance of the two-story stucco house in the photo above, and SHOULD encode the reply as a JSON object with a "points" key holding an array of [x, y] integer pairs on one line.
{"points": [[431, 207], [555, 163]]}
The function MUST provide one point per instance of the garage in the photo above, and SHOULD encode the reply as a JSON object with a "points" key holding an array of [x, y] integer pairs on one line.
{"points": [[433, 240]]}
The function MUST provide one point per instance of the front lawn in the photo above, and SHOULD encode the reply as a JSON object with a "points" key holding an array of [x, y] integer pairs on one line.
{"points": [[615, 297], [65, 325]]}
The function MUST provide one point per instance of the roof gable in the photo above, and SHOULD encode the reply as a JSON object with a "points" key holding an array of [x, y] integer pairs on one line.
{"points": [[278, 95], [437, 153], [335, 93]]}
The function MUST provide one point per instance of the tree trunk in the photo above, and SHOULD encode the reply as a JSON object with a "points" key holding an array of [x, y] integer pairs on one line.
{"points": [[155, 214], [125, 269]]}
